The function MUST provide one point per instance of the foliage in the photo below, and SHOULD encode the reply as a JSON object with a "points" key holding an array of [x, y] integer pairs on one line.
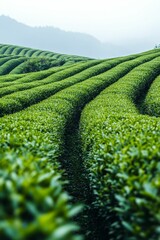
{"points": [[120, 145], [8, 66], [33, 201], [121, 156], [39, 64], [151, 104]]}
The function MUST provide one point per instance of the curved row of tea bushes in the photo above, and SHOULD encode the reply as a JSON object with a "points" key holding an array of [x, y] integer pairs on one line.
{"points": [[37, 53], [32, 53], [26, 52], [13, 79], [33, 146], [8, 66], [9, 50], [121, 153], [23, 52], [3, 48], [98, 69], [52, 55], [151, 104], [36, 64], [43, 54], [8, 79], [16, 84], [2, 56], [21, 87], [19, 100], [46, 76], [19, 69], [7, 58], [33, 203], [30, 77], [87, 89], [17, 50], [89, 72]]}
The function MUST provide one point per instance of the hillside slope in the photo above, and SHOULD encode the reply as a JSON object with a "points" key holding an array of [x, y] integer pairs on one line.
{"points": [[79, 148], [14, 59]]}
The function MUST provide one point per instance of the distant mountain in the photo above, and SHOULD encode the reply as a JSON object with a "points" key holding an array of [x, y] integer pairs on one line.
{"points": [[60, 41], [54, 39]]}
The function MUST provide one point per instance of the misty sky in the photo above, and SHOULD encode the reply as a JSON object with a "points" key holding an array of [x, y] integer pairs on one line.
{"points": [[109, 20]]}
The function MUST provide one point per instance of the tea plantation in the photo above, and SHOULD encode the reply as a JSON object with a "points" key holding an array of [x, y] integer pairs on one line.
{"points": [[79, 146]]}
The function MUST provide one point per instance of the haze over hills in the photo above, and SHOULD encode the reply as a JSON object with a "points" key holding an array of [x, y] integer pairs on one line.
{"points": [[57, 40]]}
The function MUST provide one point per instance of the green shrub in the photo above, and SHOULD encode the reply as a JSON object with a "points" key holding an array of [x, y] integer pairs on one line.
{"points": [[121, 152], [33, 203], [10, 65], [151, 103]]}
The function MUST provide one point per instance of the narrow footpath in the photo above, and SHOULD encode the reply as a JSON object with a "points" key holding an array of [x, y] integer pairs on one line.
{"points": [[78, 187]]}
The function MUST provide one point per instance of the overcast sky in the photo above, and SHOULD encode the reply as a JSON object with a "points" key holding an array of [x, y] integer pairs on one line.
{"points": [[108, 20]]}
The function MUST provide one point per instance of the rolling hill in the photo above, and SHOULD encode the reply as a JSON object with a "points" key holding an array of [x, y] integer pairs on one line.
{"points": [[79, 146]]}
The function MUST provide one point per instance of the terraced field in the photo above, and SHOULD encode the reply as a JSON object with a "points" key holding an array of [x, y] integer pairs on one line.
{"points": [[79, 147], [16, 60]]}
